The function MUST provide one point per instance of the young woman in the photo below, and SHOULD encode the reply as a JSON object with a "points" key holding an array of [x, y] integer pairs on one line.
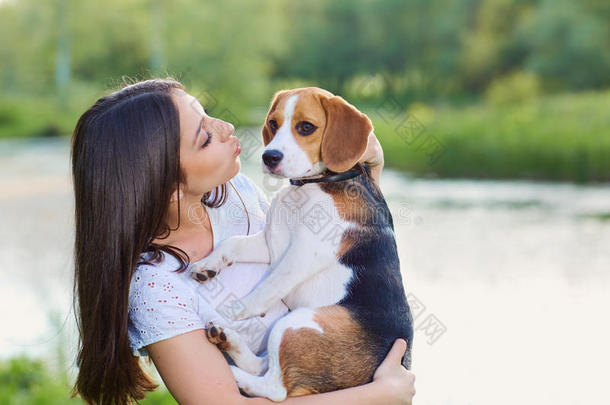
{"points": [[157, 185]]}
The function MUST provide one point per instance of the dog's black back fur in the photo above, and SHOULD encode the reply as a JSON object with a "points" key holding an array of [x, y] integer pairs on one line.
{"points": [[376, 297]]}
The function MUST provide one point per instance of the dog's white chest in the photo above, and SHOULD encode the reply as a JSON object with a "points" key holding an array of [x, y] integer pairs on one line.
{"points": [[325, 288], [305, 219]]}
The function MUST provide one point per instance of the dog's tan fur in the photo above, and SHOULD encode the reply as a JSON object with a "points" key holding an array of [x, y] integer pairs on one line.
{"points": [[302, 352]]}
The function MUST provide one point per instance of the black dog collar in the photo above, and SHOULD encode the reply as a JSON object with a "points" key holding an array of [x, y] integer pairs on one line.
{"points": [[329, 178]]}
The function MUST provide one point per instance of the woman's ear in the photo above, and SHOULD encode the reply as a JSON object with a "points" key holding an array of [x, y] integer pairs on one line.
{"points": [[267, 135], [345, 136]]}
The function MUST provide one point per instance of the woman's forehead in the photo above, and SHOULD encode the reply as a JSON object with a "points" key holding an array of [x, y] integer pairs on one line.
{"points": [[189, 105]]}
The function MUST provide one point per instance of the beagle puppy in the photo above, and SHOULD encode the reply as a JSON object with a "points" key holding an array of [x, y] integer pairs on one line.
{"points": [[329, 241]]}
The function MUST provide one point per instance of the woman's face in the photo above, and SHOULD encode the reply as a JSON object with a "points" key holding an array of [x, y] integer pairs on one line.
{"points": [[209, 153]]}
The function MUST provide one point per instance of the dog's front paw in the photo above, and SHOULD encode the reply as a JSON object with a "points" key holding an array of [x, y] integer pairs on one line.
{"points": [[209, 266], [203, 274]]}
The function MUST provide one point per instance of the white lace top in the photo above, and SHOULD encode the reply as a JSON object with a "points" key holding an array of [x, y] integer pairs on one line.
{"points": [[164, 303]]}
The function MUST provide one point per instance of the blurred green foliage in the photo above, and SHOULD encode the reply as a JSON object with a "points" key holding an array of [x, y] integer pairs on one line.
{"points": [[554, 137], [48, 381], [513, 88], [457, 56], [24, 381]]}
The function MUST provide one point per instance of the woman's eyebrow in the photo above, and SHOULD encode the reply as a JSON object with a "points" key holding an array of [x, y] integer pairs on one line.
{"points": [[198, 131]]}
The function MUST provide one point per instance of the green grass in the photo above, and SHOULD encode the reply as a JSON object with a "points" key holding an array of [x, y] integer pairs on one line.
{"points": [[564, 137], [25, 381]]}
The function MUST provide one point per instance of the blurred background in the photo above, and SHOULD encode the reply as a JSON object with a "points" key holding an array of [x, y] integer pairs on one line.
{"points": [[494, 116]]}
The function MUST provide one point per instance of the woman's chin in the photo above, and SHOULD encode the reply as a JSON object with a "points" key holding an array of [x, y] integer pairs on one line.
{"points": [[230, 171], [235, 168]]}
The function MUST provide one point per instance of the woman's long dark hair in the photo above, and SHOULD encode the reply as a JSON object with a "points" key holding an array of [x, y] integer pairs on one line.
{"points": [[125, 166]]}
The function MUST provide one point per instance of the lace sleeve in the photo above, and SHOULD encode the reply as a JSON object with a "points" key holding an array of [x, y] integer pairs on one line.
{"points": [[161, 306]]}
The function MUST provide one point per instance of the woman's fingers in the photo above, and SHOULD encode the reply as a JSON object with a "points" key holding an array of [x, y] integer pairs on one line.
{"points": [[392, 359], [397, 351], [395, 380], [373, 155]]}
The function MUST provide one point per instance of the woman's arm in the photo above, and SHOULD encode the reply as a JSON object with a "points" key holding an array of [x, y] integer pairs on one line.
{"points": [[373, 157], [195, 372]]}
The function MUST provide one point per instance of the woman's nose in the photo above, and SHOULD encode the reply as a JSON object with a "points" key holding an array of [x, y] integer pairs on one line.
{"points": [[225, 129], [230, 128]]}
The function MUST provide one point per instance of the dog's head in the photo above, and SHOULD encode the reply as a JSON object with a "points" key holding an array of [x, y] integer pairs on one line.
{"points": [[309, 129]]}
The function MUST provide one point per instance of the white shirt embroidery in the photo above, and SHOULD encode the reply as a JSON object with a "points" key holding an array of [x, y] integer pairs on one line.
{"points": [[164, 303]]}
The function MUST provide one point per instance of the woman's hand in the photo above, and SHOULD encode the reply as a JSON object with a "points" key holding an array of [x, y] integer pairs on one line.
{"points": [[373, 157], [396, 381]]}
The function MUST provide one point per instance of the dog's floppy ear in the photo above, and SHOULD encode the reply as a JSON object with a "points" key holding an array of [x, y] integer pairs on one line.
{"points": [[267, 135], [346, 134]]}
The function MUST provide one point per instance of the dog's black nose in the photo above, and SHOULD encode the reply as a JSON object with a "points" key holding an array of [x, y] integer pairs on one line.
{"points": [[272, 158]]}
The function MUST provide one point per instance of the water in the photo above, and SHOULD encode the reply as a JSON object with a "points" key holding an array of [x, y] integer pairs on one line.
{"points": [[509, 281]]}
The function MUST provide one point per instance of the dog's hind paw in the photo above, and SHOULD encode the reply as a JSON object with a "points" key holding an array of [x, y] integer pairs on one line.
{"points": [[217, 336]]}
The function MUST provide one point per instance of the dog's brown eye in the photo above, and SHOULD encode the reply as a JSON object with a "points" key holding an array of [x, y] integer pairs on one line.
{"points": [[273, 126], [305, 128]]}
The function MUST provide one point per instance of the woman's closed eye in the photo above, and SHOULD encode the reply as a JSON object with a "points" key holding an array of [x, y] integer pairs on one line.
{"points": [[207, 141]]}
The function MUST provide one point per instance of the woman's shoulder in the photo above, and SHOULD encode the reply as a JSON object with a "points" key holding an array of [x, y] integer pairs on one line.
{"points": [[158, 277], [162, 302], [151, 263]]}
